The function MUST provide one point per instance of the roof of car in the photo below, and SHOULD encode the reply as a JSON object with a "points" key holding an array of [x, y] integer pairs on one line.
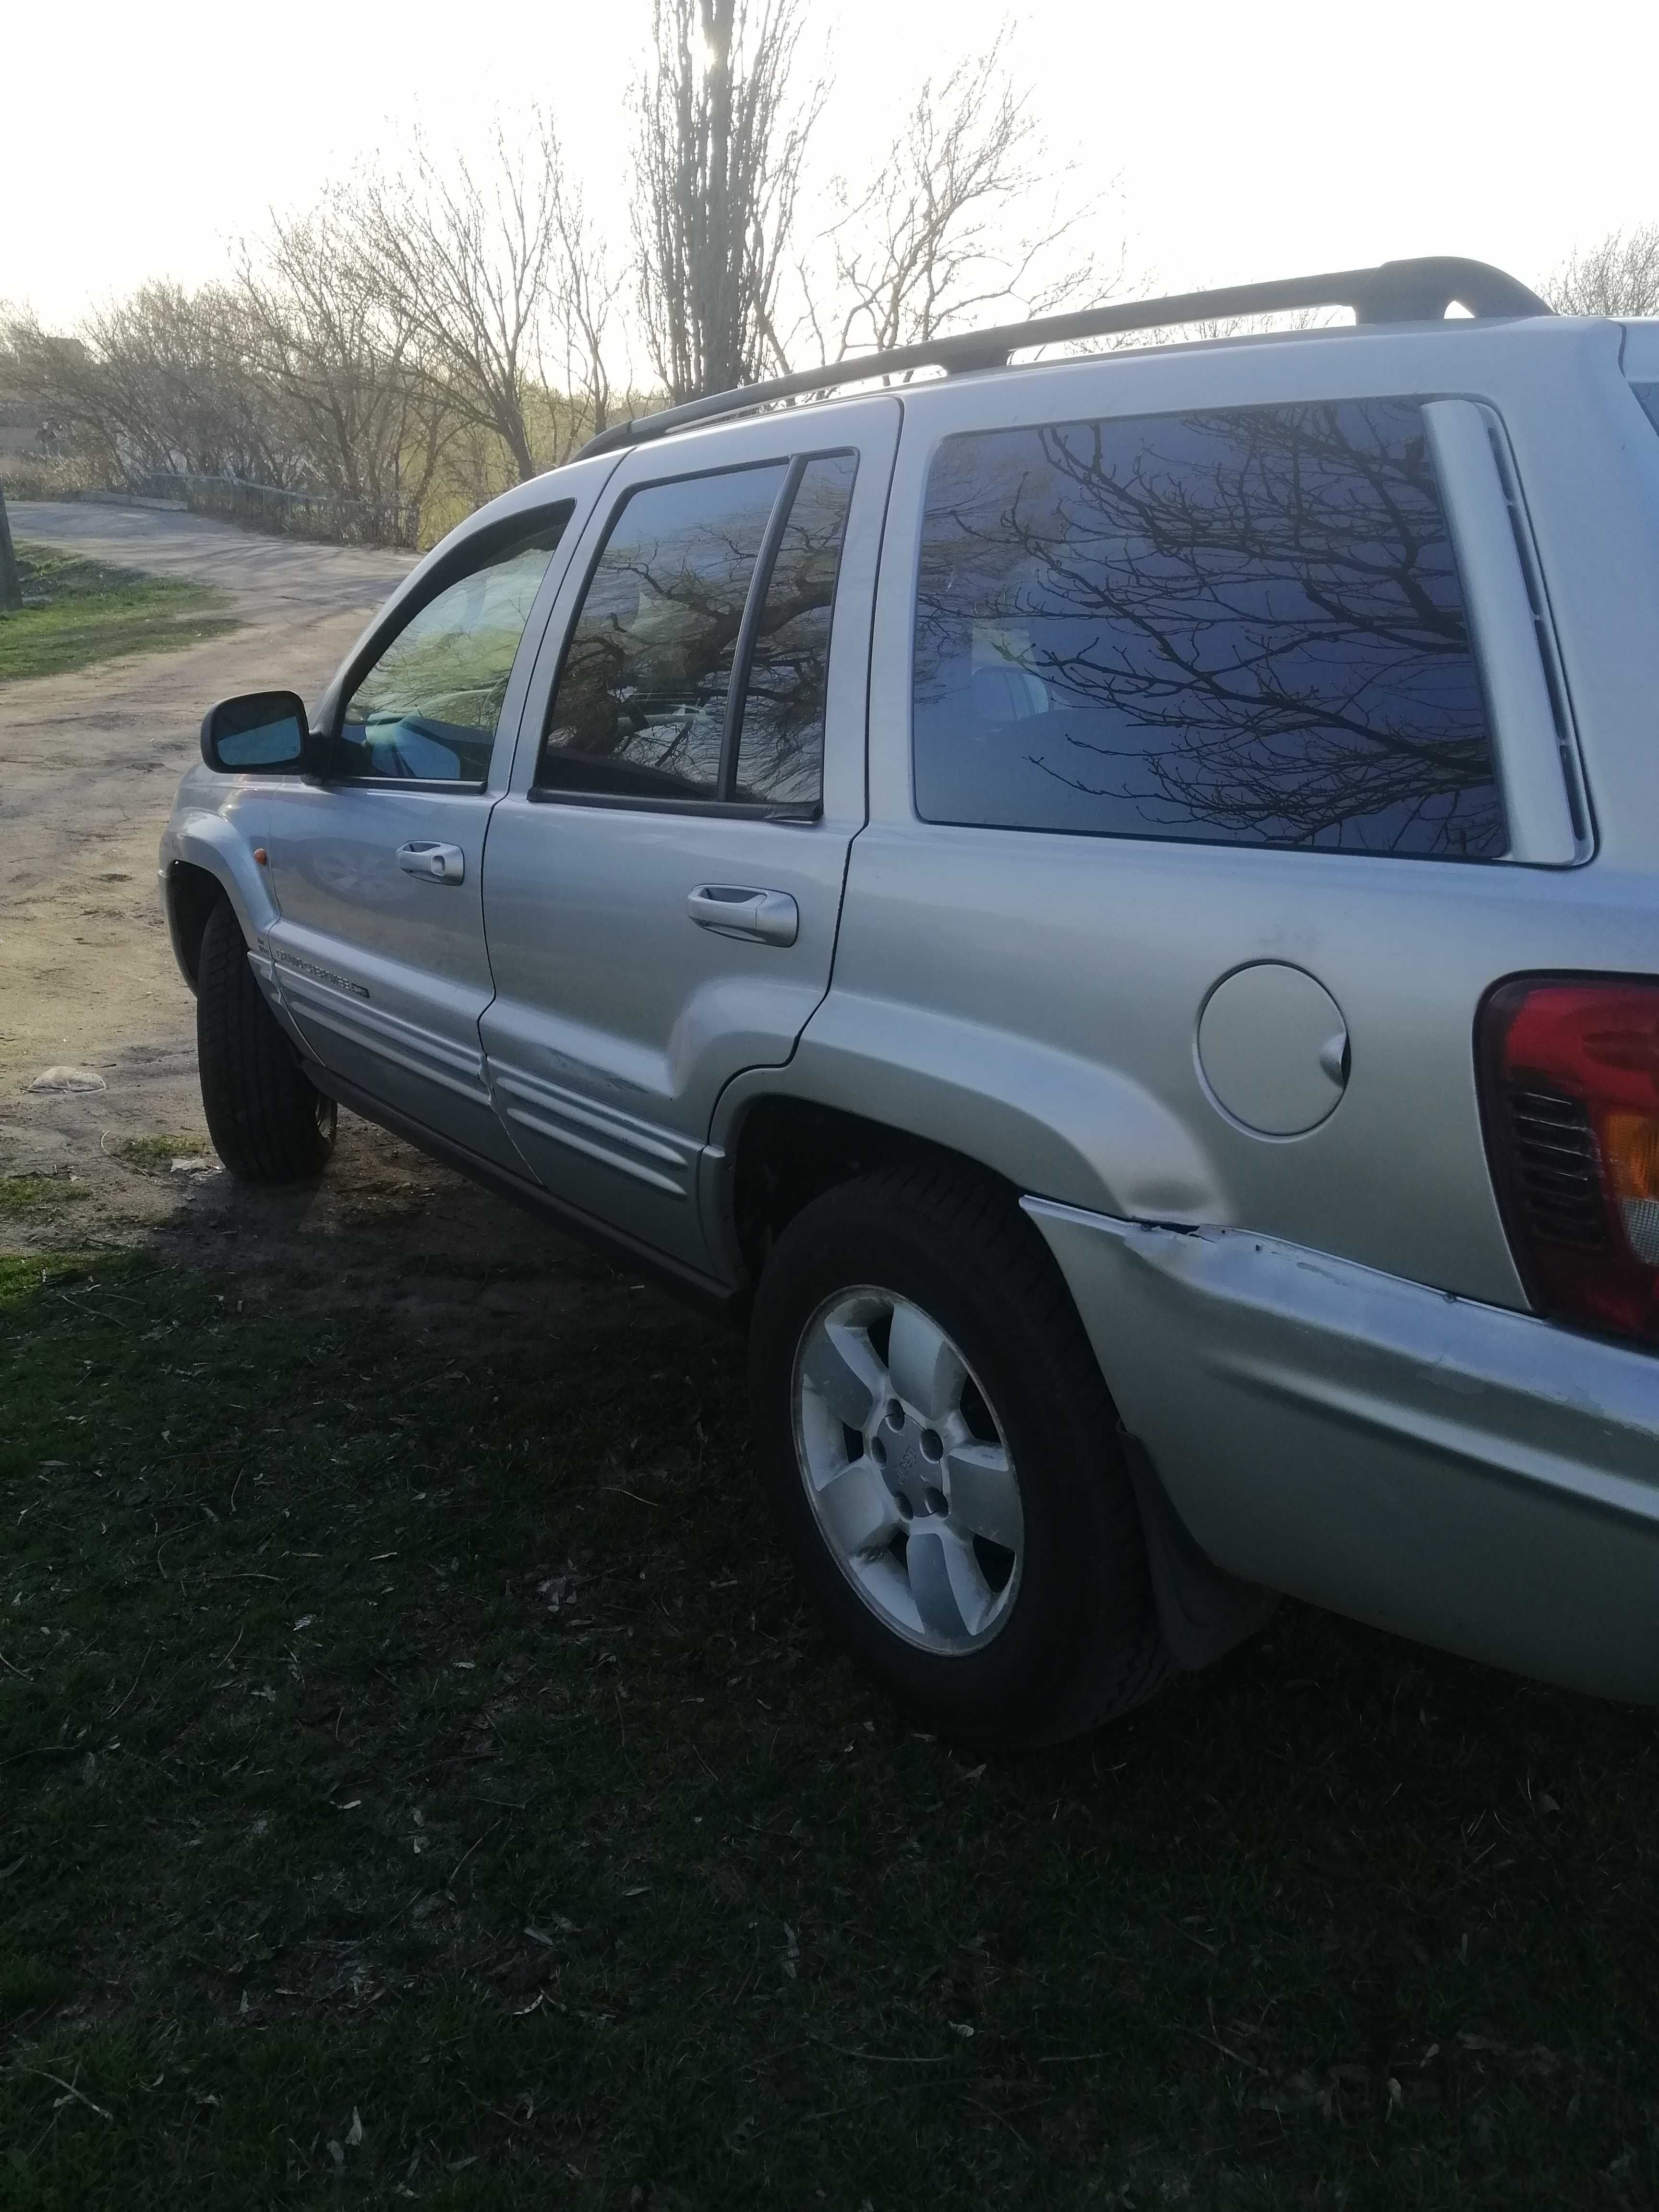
{"points": [[1393, 292]]}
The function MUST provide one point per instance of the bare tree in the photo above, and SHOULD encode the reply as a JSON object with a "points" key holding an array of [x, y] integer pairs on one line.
{"points": [[1619, 277], [348, 366], [585, 299], [925, 248], [158, 383], [63, 383], [497, 273], [718, 159]]}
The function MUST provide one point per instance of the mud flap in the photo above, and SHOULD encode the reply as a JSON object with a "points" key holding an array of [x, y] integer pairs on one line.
{"points": [[1202, 1612]]}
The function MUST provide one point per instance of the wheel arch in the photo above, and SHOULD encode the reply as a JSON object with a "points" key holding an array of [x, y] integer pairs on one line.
{"points": [[1042, 1121], [783, 1149], [202, 860], [192, 892]]}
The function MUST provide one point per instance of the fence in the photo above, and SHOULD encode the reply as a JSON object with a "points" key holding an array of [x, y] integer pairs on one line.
{"points": [[286, 513]]}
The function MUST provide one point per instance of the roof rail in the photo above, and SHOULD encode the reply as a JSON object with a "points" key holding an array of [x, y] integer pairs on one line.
{"points": [[1396, 292]]}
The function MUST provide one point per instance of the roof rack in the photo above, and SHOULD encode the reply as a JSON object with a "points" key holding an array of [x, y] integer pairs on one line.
{"points": [[1396, 292]]}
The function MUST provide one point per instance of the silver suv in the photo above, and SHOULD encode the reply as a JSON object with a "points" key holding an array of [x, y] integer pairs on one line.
{"points": [[1107, 906]]}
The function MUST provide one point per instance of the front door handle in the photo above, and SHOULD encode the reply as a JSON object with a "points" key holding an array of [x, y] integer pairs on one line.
{"points": [[442, 864], [732, 910]]}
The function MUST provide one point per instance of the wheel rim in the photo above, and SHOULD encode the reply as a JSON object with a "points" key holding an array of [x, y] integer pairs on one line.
{"points": [[908, 1471]]}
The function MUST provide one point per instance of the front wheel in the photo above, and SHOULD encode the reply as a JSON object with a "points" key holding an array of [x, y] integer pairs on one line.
{"points": [[269, 1121], [940, 1448]]}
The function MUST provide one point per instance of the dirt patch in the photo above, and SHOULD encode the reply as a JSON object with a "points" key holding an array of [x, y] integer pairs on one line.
{"points": [[386, 1229], [86, 976], [89, 762]]}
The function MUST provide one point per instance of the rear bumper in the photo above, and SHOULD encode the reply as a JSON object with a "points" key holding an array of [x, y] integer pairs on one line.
{"points": [[1471, 1476]]}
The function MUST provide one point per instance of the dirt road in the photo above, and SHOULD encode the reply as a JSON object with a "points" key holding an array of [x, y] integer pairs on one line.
{"points": [[88, 762], [88, 766]]}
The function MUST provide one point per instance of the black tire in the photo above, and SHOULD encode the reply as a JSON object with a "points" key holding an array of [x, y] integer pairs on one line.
{"points": [[269, 1121], [1079, 1645]]}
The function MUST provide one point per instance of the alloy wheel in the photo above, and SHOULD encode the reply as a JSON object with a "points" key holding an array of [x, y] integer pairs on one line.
{"points": [[908, 1470]]}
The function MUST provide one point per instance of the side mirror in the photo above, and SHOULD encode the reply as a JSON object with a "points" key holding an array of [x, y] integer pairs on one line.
{"points": [[263, 732]]}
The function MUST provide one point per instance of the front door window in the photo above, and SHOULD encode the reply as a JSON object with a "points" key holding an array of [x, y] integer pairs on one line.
{"points": [[428, 708]]}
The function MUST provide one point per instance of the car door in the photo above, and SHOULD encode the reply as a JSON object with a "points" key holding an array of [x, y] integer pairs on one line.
{"points": [[378, 953], [663, 881]]}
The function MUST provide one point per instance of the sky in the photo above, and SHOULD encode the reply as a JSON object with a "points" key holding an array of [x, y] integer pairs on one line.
{"points": [[1221, 142]]}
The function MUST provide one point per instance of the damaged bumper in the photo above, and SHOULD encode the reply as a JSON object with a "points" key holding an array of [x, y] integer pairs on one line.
{"points": [[1471, 1476]]}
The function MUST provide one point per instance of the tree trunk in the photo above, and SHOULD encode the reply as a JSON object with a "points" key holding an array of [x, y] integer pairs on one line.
{"points": [[11, 582], [516, 436], [717, 163]]}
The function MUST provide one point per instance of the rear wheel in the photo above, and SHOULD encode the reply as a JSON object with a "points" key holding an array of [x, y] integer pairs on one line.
{"points": [[940, 1448], [269, 1121]]}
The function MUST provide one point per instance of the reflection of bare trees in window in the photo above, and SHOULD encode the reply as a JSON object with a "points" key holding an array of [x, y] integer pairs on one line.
{"points": [[640, 707], [1246, 625], [645, 681], [781, 753]]}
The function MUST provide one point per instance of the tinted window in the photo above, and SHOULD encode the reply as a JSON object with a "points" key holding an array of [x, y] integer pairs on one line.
{"points": [[781, 748], [1242, 628], [640, 708], [429, 706]]}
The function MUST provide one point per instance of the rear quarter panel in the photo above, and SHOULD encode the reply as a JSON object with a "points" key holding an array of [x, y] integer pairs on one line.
{"points": [[1032, 999]]}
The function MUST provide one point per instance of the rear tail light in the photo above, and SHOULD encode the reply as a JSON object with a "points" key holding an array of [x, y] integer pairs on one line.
{"points": [[1570, 1097]]}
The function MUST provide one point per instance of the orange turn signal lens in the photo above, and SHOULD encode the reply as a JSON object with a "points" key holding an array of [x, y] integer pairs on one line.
{"points": [[1629, 1149]]}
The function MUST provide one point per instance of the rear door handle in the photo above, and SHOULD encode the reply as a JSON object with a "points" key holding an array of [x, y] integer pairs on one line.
{"points": [[733, 910], [442, 864]]}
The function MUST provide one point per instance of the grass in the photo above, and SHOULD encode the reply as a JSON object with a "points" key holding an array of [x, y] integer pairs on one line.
{"points": [[23, 1193], [153, 1155], [77, 612], [419, 1780]]}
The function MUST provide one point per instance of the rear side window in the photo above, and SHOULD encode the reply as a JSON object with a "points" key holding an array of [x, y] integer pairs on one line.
{"points": [[697, 665], [780, 756], [1242, 628]]}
